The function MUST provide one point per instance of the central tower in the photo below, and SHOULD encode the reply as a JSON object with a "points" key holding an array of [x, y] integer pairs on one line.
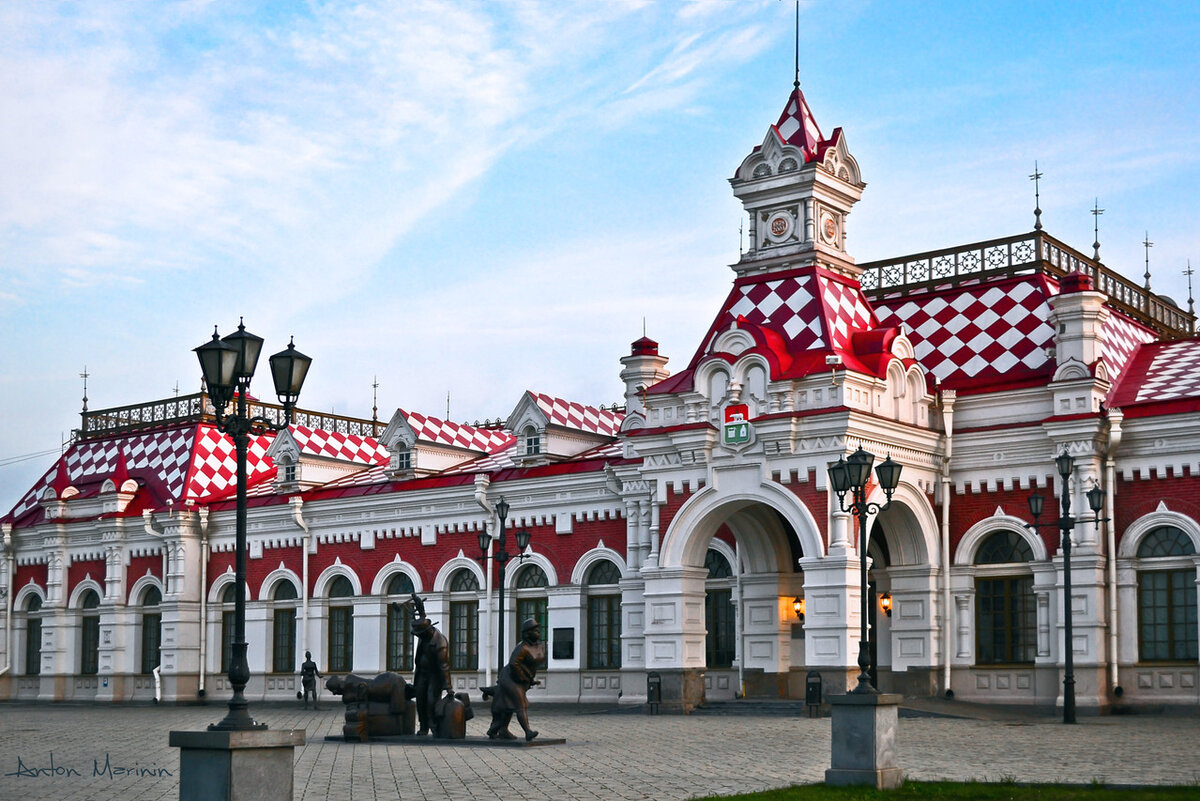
{"points": [[798, 188]]}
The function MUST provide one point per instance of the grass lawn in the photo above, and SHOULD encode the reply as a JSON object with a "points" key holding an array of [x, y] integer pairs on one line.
{"points": [[984, 791]]}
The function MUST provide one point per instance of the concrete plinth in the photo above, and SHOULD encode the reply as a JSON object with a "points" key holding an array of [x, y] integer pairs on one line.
{"points": [[864, 740], [236, 765]]}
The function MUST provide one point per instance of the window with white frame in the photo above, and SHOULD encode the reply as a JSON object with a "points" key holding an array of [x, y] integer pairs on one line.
{"points": [[533, 441], [603, 616], [399, 623], [720, 641], [283, 630], [1005, 605], [532, 602], [151, 629], [33, 635], [1166, 596], [228, 601], [464, 620], [341, 626], [89, 633]]}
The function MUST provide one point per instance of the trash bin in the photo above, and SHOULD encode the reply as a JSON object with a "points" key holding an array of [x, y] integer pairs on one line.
{"points": [[812, 693], [653, 691]]}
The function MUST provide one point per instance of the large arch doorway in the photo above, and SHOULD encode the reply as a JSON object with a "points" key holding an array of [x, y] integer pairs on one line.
{"points": [[768, 531]]}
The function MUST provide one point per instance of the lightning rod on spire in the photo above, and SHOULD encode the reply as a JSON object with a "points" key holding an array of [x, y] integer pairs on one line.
{"points": [[1096, 212], [1191, 302], [1037, 199], [1148, 244]]}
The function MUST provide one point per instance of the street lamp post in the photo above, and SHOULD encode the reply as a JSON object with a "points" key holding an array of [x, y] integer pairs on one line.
{"points": [[851, 476], [502, 556], [1065, 524], [228, 364]]}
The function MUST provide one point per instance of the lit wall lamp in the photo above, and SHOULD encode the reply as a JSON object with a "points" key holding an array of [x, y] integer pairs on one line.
{"points": [[798, 607], [885, 603]]}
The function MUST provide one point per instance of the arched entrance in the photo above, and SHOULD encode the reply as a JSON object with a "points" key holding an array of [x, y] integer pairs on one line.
{"points": [[771, 532]]}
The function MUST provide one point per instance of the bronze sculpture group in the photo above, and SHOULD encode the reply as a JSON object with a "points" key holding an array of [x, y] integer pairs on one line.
{"points": [[387, 705]]}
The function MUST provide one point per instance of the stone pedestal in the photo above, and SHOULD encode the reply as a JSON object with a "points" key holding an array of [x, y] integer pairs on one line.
{"points": [[864, 740], [236, 765]]}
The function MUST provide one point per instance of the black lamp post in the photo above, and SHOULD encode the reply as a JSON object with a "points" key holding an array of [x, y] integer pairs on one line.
{"points": [[1065, 524], [851, 475], [502, 556], [228, 364]]}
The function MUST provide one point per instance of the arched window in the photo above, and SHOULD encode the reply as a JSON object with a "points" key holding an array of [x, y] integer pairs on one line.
{"points": [[151, 629], [283, 633], [33, 636], [464, 620], [399, 623], [1166, 597], [341, 626], [532, 602], [720, 641], [603, 616], [228, 601], [89, 633], [1005, 606]]}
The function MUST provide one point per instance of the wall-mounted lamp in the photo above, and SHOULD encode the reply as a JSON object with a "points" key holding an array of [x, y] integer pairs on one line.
{"points": [[798, 607], [885, 603]]}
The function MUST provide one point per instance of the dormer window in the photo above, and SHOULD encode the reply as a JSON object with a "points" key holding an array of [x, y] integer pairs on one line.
{"points": [[533, 442], [404, 460], [289, 473]]}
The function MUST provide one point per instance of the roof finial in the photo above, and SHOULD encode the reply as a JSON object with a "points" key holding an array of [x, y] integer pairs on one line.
{"points": [[1148, 245], [643, 325], [796, 82], [1096, 212], [375, 399], [1191, 303], [1037, 198], [447, 404], [84, 375], [177, 388]]}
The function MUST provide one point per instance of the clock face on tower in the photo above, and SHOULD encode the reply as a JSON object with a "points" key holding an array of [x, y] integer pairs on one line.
{"points": [[829, 229]]}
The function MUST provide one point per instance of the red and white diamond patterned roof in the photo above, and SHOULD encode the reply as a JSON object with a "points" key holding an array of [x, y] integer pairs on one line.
{"points": [[999, 332], [798, 127], [1161, 373], [802, 315], [578, 416], [460, 435], [193, 463]]}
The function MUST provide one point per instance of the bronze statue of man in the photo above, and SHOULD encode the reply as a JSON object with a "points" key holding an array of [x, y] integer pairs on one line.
{"points": [[431, 668], [509, 695], [308, 679]]}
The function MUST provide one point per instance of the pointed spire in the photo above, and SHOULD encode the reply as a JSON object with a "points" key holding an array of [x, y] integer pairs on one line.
{"points": [[1191, 302], [1037, 198], [1148, 244], [84, 375], [121, 471], [1096, 212], [375, 399], [796, 82]]}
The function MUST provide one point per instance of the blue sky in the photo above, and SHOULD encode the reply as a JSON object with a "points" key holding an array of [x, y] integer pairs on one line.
{"points": [[483, 197]]}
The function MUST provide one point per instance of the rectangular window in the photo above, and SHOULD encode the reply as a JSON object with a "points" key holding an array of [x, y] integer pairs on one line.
{"points": [[285, 641], [341, 639], [604, 632], [1005, 621], [1167, 616], [33, 646], [399, 639], [719, 647], [226, 640], [404, 460], [536, 608], [89, 661], [464, 635], [151, 638]]}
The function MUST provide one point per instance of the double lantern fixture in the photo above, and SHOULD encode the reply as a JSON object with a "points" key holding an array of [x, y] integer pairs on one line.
{"points": [[502, 557], [228, 365], [851, 476], [1065, 525]]}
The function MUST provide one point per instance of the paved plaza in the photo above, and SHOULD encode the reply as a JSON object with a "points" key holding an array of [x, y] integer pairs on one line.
{"points": [[96, 753]]}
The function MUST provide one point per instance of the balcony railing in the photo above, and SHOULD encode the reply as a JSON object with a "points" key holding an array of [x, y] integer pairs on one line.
{"points": [[1032, 252], [198, 408]]}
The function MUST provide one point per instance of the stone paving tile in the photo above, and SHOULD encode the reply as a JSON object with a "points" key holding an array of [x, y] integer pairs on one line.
{"points": [[617, 757]]}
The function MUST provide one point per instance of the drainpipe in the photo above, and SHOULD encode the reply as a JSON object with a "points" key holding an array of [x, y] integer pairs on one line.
{"points": [[298, 516], [482, 482], [948, 397], [1115, 417], [741, 629], [203, 512], [10, 577]]}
